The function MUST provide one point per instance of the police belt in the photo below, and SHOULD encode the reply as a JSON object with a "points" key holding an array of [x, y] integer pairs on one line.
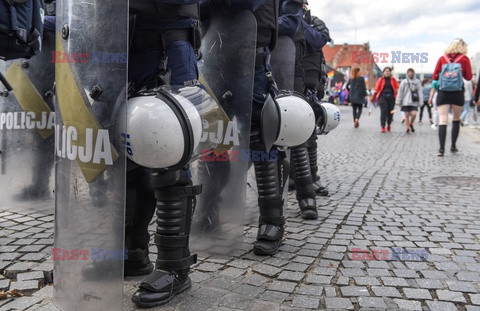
{"points": [[161, 39], [262, 58]]}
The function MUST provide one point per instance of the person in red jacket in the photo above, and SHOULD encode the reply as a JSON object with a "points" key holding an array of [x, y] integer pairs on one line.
{"points": [[385, 93], [456, 52]]}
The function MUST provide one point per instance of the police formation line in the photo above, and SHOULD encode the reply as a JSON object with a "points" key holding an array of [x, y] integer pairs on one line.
{"points": [[215, 75]]}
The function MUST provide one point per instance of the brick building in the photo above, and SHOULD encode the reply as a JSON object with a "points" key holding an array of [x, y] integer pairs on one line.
{"points": [[346, 57]]}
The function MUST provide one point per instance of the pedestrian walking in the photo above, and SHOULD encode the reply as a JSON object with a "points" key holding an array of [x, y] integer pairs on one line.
{"points": [[432, 101], [450, 69], [385, 93], [426, 87], [468, 94], [357, 93], [409, 97]]}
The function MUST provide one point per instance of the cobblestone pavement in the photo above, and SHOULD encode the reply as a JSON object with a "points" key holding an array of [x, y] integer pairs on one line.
{"points": [[388, 191]]}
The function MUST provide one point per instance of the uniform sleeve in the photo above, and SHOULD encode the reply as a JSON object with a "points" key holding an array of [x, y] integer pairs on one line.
{"points": [[288, 25], [314, 38]]}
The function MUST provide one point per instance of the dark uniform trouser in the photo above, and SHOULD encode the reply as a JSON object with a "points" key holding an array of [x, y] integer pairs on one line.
{"points": [[174, 193]]}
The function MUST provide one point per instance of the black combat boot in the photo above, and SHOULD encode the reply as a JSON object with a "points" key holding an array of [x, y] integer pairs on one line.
{"points": [[303, 182], [313, 158], [175, 206], [271, 178]]}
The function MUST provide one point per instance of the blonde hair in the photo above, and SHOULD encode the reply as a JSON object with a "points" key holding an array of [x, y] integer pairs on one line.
{"points": [[457, 46]]}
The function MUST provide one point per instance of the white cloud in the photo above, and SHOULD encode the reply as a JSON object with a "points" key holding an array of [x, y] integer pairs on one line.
{"points": [[414, 26]]}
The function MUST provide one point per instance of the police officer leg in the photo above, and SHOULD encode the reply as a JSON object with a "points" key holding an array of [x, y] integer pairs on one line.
{"points": [[140, 207], [175, 196], [303, 182], [313, 157]]}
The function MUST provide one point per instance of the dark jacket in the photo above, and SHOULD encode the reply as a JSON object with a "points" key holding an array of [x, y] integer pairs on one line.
{"points": [[357, 90]]}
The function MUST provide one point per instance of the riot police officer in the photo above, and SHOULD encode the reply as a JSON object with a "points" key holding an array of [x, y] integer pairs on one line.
{"points": [[163, 43]]}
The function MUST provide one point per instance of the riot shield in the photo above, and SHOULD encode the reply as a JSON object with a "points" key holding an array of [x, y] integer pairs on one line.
{"points": [[227, 72], [91, 77], [283, 63], [27, 132]]}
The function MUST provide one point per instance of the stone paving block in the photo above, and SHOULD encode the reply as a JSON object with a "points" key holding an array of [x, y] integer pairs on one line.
{"points": [[354, 291], [232, 272], [274, 296], [396, 282], [266, 270], [378, 272], [26, 287], [4, 284], [338, 303], [310, 290], [263, 306], [318, 279], [464, 287], [447, 295], [475, 299], [282, 286], [468, 276], [209, 267], [291, 276], [305, 302], [371, 281], [429, 283], [255, 279], [441, 306], [372, 302], [408, 304], [416, 293], [383, 291], [21, 304], [19, 267], [34, 275]]}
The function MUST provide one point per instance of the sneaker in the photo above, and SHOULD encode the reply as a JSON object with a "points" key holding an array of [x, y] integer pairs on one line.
{"points": [[434, 127], [389, 128], [431, 122], [454, 149], [440, 153], [383, 130]]}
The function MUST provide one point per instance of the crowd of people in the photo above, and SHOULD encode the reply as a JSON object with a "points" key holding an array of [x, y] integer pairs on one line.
{"points": [[451, 90]]}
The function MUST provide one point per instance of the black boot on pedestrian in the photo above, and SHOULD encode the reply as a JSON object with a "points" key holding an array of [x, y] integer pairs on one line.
{"points": [[442, 136], [271, 178], [138, 263], [455, 133], [303, 182], [175, 206]]}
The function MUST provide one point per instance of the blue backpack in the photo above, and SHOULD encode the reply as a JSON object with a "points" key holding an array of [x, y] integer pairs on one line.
{"points": [[451, 78], [21, 28]]}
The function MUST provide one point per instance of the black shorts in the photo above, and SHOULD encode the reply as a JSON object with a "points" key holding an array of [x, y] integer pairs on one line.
{"points": [[409, 108], [450, 98]]}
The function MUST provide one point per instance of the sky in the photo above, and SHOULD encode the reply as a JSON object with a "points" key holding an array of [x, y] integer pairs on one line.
{"points": [[410, 26]]}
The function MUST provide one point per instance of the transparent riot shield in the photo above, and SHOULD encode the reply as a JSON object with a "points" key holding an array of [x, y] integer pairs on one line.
{"points": [[91, 77], [283, 63], [227, 72], [27, 132]]}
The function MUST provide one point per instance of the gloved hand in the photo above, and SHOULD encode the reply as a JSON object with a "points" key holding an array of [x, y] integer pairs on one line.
{"points": [[291, 7], [320, 26]]}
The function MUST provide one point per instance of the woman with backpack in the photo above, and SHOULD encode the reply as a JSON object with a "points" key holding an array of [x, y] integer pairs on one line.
{"points": [[385, 93], [357, 92], [449, 71], [409, 97]]}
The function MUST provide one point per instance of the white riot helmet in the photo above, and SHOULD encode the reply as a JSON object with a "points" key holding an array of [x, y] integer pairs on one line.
{"points": [[329, 119], [164, 130], [292, 120]]}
